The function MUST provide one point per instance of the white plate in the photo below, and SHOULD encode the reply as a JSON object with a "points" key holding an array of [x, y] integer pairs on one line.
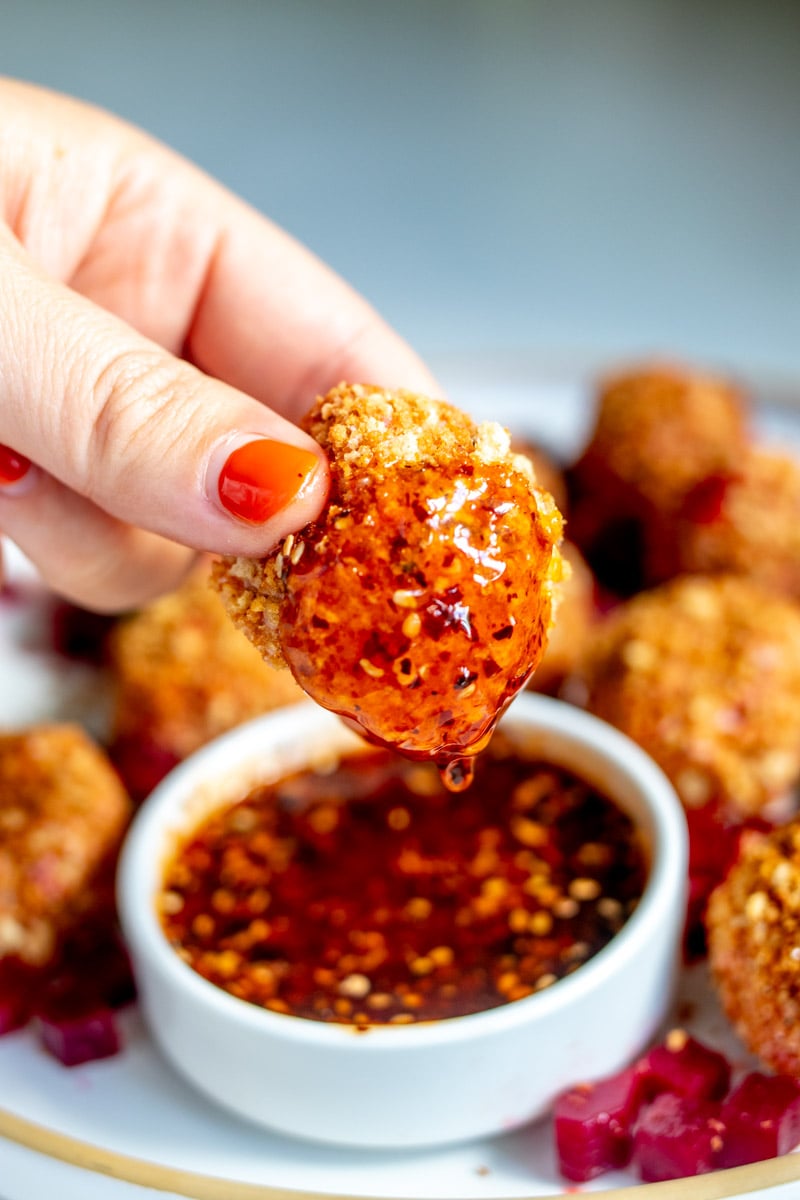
{"points": [[116, 1129]]}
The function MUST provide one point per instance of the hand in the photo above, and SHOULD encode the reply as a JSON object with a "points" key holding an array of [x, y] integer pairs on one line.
{"points": [[157, 338]]}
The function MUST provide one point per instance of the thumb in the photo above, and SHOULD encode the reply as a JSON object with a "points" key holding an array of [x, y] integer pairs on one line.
{"points": [[127, 429]]}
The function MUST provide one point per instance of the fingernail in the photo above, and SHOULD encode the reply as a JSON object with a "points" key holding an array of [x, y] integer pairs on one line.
{"points": [[13, 466], [261, 477]]}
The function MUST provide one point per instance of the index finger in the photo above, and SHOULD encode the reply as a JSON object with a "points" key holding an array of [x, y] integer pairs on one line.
{"points": [[275, 322], [149, 237]]}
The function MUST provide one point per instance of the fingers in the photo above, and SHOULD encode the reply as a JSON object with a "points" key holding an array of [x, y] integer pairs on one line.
{"points": [[273, 321], [82, 552], [143, 234], [122, 434], [143, 437]]}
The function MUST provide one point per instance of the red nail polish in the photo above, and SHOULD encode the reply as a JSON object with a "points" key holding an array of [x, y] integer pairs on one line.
{"points": [[262, 477], [13, 466]]}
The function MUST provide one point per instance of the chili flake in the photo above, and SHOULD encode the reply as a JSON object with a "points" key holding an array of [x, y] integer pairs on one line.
{"points": [[323, 903]]}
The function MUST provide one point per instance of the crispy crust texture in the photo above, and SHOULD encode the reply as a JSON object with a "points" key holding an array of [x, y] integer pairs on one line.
{"points": [[392, 454], [704, 673], [63, 811], [753, 924]]}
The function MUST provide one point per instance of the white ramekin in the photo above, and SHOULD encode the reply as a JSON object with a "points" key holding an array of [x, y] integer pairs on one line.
{"points": [[409, 1085]]}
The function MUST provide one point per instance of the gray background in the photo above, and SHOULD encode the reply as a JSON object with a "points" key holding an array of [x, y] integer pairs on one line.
{"points": [[557, 180]]}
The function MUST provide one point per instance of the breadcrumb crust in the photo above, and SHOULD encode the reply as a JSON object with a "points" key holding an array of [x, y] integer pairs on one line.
{"points": [[753, 923], [704, 673], [63, 811]]}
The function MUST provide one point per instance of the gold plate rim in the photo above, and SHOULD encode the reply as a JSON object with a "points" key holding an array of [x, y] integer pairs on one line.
{"points": [[194, 1185]]}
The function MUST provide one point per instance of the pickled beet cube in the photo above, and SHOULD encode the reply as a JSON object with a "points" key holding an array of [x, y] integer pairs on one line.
{"points": [[592, 1125], [685, 1067], [762, 1116], [79, 1038], [141, 765], [677, 1136]]}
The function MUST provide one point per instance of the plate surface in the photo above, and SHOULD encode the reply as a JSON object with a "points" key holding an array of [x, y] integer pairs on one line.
{"points": [[146, 1125]]}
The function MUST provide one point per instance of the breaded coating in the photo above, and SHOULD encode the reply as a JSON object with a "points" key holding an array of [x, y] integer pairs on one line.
{"points": [[569, 636], [753, 924], [661, 429], [748, 524], [420, 601], [63, 812], [182, 675], [704, 673], [659, 432]]}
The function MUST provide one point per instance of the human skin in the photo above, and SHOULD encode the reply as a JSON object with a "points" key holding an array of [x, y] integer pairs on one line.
{"points": [[151, 324]]}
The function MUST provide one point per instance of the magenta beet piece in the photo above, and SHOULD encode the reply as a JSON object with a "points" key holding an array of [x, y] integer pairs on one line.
{"points": [[676, 1136], [74, 1024], [685, 1067], [141, 765], [80, 1038], [592, 1125], [762, 1116]]}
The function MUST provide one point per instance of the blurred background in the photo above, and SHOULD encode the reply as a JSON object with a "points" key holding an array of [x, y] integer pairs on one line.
{"points": [[507, 181]]}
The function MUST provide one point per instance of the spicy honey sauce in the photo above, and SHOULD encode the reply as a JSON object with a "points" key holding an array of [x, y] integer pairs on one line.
{"points": [[370, 894]]}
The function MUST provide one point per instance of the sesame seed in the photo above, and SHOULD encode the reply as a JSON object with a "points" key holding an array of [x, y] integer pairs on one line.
{"points": [[370, 669], [584, 889], [676, 1040], [412, 625], [545, 981], [540, 924], [355, 986], [398, 818], [405, 598], [171, 902]]}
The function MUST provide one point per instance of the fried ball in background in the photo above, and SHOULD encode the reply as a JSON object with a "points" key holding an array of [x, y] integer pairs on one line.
{"points": [[182, 675], [748, 523], [704, 673], [63, 812], [753, 928], [659, 431]]}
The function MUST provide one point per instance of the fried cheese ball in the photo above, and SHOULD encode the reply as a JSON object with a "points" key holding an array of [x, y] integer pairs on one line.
{"points": [[753, 925], [182, 675], [659, 431], [748, 523], [570, 634], [420, 601], [63, 812], [704, 673]]}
